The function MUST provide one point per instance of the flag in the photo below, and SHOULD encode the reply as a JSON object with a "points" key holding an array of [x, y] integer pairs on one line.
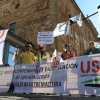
{"points": [[77, 19], [3, 34], [62, 28], [66, 31], [56, 60]]}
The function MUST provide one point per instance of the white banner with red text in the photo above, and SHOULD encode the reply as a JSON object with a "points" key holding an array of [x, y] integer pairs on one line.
{"points": [[3, 34], [79, 75]]}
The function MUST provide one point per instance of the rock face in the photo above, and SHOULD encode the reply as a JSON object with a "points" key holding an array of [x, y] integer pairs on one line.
{"points": [[33, 16]]}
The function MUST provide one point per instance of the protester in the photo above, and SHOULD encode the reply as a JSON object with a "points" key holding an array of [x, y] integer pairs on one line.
{"points": [[68, 53], [26, 57], [92, 49], [42, 54]]}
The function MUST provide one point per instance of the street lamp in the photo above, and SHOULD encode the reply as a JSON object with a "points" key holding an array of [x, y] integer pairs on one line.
{"points": [[99, 7], [99, 11]]}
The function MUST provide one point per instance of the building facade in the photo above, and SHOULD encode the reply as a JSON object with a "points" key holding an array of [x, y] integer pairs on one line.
{"points": [[25, 18]]}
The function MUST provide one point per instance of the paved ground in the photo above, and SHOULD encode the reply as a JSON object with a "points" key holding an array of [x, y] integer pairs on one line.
{"points": [[16, 96]]}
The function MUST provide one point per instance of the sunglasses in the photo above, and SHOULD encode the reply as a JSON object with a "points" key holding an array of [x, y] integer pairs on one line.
{"points": [[68, 46], [41, 48], [27, 46]]}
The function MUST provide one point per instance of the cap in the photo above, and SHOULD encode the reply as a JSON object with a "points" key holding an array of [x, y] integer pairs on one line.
{"points": [[28, 45], [67, 45], [41, 46]]}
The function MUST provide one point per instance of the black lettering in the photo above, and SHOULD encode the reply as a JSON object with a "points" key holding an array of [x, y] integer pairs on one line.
{"points": [[49, 84], [47, 69], [75, 65], [66, 66], [30, 84], [62, 66], [17, 77], [42, 84], [21, 84], [56, 84], [37, 84], [31, 77], [24, 71], [8, 72], [25, 84]]}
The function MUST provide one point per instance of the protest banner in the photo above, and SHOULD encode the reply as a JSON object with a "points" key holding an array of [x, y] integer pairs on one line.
{"points": [[74, 76], [3, 34], [79, 75]]}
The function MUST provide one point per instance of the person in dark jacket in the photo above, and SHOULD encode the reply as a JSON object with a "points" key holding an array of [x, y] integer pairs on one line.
{"points": [[92, 49]]}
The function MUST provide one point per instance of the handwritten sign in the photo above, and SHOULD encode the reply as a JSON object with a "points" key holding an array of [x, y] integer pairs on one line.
{"points": [[45, 37]]}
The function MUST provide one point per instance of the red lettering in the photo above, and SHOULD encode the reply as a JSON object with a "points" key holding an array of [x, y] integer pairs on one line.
{"points": [[37, 66], [53, 58], [94, 62], [2, 34], [88, 67], [36, 71], [82, 67]]}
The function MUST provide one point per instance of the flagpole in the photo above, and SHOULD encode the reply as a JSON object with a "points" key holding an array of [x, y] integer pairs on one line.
{"points": [[90, 15], [87, 16]]}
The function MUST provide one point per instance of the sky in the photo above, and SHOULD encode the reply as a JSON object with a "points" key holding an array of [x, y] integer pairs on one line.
{"points": [[11, 51], [88, 7]]}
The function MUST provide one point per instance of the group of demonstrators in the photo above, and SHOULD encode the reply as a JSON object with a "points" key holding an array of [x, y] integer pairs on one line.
{"points": [[68, 53], [28, 57], [92, 49]]}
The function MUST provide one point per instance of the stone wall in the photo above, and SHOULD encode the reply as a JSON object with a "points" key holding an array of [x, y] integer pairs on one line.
{"points": [[33, 16]]}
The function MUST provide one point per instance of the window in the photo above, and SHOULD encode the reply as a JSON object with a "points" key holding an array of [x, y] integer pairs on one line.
{"points": [[17, 6], [11, 53], [12, 27]]}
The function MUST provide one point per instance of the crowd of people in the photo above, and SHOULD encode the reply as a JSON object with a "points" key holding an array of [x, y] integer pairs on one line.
{"points": [[69, 53], [28, 57]]}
